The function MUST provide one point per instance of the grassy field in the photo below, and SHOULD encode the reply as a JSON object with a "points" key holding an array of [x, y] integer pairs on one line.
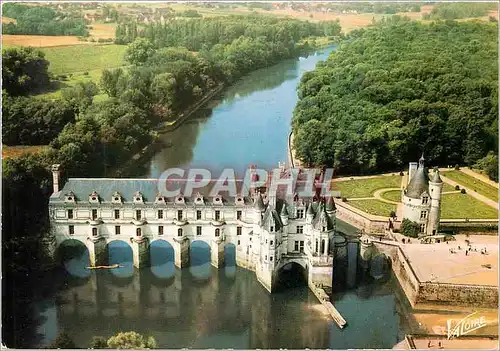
{"points": [[71, 59], [373, 206], [16, 151], [366, 187], [473, 184], [92, 76], [454, 206]]}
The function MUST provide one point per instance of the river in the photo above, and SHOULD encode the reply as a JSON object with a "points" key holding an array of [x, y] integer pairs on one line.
{"points": [[200, 306]]}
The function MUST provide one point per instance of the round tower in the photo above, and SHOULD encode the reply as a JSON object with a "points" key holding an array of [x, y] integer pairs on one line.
{"points": [[435, 190]]}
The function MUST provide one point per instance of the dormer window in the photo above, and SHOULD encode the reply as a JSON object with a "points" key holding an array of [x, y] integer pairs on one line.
{"points": [[116, 198], [94, 197], [271, 229], [70, 197], [240, 201], [425, 200], [180, 199], [218, 200], [138, 199], [160, 199], [324, 229], [199, 199]]}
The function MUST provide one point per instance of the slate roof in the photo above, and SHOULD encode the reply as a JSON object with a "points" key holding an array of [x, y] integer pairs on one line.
{"points": [[419, 183], [149, 188], [322, 219], [436, 178]]}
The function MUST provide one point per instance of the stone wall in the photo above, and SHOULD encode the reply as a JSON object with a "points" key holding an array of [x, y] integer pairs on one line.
{"points": [[464, 295], [355, 217]]}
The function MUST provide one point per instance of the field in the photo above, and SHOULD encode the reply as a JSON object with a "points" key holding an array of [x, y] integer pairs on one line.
{"points": [[16, 151], [473, 184], [98, 31], [72, 59], [366, 187], [454, 206], [373, 206], [392, 195]]}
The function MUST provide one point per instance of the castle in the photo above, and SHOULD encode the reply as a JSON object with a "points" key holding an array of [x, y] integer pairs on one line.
{"points": [[268, 229], [422, 198]]}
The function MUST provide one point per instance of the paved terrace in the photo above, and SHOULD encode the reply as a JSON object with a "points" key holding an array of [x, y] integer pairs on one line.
{"points": [[435, 263]]}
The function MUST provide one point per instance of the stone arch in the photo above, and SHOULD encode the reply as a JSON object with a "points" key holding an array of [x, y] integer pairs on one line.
{"points": [[291, 274], [200, 259], [73, 255], [380, 266], [120, 252], [162, 258]]}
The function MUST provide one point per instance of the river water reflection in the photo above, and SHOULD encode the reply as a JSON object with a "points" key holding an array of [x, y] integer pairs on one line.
{"points": [[200, 306]]}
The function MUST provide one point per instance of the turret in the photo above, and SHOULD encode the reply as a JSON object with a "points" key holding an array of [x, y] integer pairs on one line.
{"points": [[310, 214], [330, 206], [284, 214], [435, 189], [259, 208]]}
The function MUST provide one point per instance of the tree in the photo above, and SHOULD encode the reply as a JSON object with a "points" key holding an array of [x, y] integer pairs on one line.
{"points": [[489, 164], [81, 95], [131, 340], [139, 51], [410, 228], [62, 341], [109, 81], [24, 70]]}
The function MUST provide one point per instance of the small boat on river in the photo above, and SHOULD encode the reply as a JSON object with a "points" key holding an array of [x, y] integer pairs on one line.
{"points": [[105, 267]]}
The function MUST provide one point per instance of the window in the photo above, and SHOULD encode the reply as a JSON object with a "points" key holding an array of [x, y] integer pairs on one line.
{"points": [[117, 214], [271, 258], [271, 229], [179, 215], [316, 247], [272, 242], [324, 229], [323, 244], [198, 214], [239, 242], [238, 215], [423, 214], [296, 248], [94, 231], [217, 215], [71, 230], [422, 228], [300, 229], [198, 230], [301, 246], [138, 215], [266, 241], [70, 214], [300, 213], [217, 232], [160, 230], [179, 232], [425, 200], [265, 257], [117, 230], [238, 230], [94, 214], [160, 214], [138, 232]]}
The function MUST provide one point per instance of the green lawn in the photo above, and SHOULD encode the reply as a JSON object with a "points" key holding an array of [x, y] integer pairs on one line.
{"points": [[366, 187], [81, 58], [92, 76], [373, 206], [465, 206], [393, 195], [473, 184]]}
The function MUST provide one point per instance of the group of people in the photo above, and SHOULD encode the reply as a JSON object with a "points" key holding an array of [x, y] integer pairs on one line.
{"points": [[468, 250]]}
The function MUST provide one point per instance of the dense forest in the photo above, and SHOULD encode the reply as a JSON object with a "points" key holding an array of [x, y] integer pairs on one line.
{"points": [[198, 34], [41, 20], [394, 90]]}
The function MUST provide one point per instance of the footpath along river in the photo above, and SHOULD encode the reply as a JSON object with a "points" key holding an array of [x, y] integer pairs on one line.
{"points": [[201, 307]]}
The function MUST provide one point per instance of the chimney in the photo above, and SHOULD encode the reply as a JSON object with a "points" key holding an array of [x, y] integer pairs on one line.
{"points": [[55, 177]]}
